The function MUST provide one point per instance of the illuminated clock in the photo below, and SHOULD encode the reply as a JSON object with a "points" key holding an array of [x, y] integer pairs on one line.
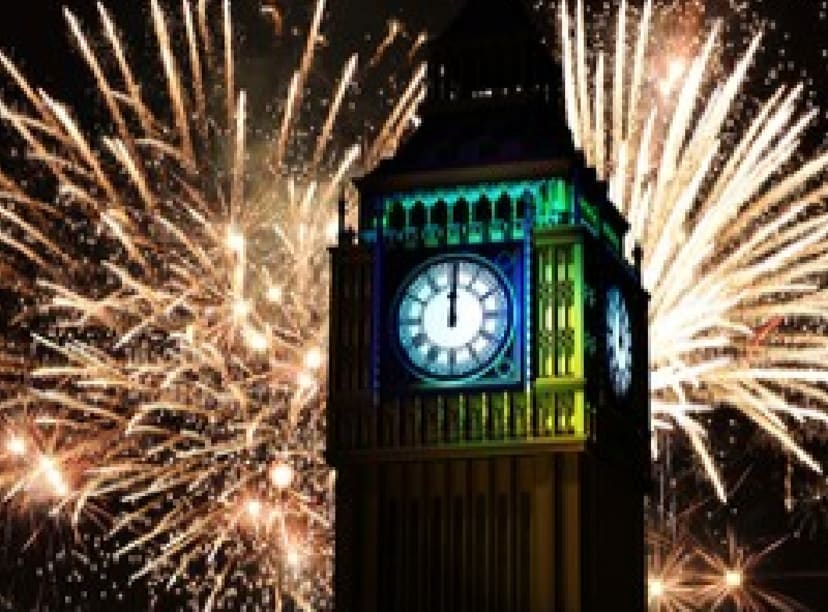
{"points": [[619, 342], [453, 317]]}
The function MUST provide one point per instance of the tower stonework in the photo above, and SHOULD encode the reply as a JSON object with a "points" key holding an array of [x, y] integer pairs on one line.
{"points": [[488, 399]]}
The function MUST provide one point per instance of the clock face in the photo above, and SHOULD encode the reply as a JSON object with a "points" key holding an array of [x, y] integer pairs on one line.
{"points": [[454, 317], [619, 342]]}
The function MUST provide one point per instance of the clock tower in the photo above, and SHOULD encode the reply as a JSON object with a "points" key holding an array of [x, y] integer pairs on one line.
{"points": [[488, 400]]}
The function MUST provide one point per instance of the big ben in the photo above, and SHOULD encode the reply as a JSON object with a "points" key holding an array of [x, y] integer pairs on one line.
{"points": [[488, 410]]}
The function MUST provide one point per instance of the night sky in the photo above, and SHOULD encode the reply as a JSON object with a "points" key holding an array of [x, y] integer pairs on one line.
{"points": [[796, 47]]}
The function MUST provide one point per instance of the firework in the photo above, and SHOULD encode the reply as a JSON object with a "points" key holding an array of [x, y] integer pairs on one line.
{"points": [[733, 238], [809, 509], [670, 587], [729, 580], [169, 367], [685, 576]]}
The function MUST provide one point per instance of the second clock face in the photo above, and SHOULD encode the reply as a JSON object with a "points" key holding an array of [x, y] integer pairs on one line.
{"points": [[453, 317], [619, 342]]}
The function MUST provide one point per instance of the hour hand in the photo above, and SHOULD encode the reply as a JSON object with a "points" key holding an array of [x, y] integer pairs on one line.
{"points": [[452, 296]]}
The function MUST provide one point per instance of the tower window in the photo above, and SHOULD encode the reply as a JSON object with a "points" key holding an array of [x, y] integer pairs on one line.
{"points": [[461, 212], [439, 214], [418, 216], [504, 208], [483, 210], [396, 217]]}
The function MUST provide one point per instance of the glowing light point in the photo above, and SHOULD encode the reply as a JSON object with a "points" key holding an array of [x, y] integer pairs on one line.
{"points": [[733, 579], [332, 230], [305, 380], [675, 71], [235, 241], [281, 475], [313, 359], [656, 588], [241, 308], [16, 446], [53, 477], [253, 508], [275, 294], [256, 340], [677, 67], [293, 558]]}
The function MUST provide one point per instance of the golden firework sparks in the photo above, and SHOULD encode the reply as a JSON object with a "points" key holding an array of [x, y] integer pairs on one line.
{"points": [[179, 307], [733, 244]]}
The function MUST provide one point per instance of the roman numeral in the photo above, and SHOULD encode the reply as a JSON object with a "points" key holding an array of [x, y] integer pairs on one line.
{"points": [[487, 335], [477, 271], [432, 283]]}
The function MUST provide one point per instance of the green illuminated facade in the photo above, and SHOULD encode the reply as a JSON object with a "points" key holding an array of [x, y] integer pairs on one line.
{"points": [[487, 212], [488, 402]]}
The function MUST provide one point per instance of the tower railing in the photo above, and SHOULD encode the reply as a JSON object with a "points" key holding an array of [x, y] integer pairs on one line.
{"points": [[544, 413]]}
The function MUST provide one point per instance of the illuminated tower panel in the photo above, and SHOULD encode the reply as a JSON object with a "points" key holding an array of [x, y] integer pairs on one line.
{"points": [[488, 404], [559, 334]]}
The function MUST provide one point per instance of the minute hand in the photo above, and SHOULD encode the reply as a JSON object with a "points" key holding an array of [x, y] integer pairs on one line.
{"points": [[452, 296]]}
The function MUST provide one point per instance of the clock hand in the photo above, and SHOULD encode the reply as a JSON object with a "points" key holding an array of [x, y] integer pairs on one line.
{"points": [[452, 296]]}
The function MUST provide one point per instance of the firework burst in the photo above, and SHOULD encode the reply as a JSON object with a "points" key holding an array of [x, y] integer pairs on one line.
{"points": [[172, 275], [686, 577], [810, 509], [733, 236], [689, 572], [164, 373], [730, 580], [670, 587]]}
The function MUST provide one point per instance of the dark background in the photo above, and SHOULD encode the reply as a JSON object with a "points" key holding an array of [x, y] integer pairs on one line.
{"points": [[47, 577]]}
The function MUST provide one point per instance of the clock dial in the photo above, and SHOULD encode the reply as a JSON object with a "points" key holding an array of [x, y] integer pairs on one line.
{"points": [[453, 317], [619, 342]]}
